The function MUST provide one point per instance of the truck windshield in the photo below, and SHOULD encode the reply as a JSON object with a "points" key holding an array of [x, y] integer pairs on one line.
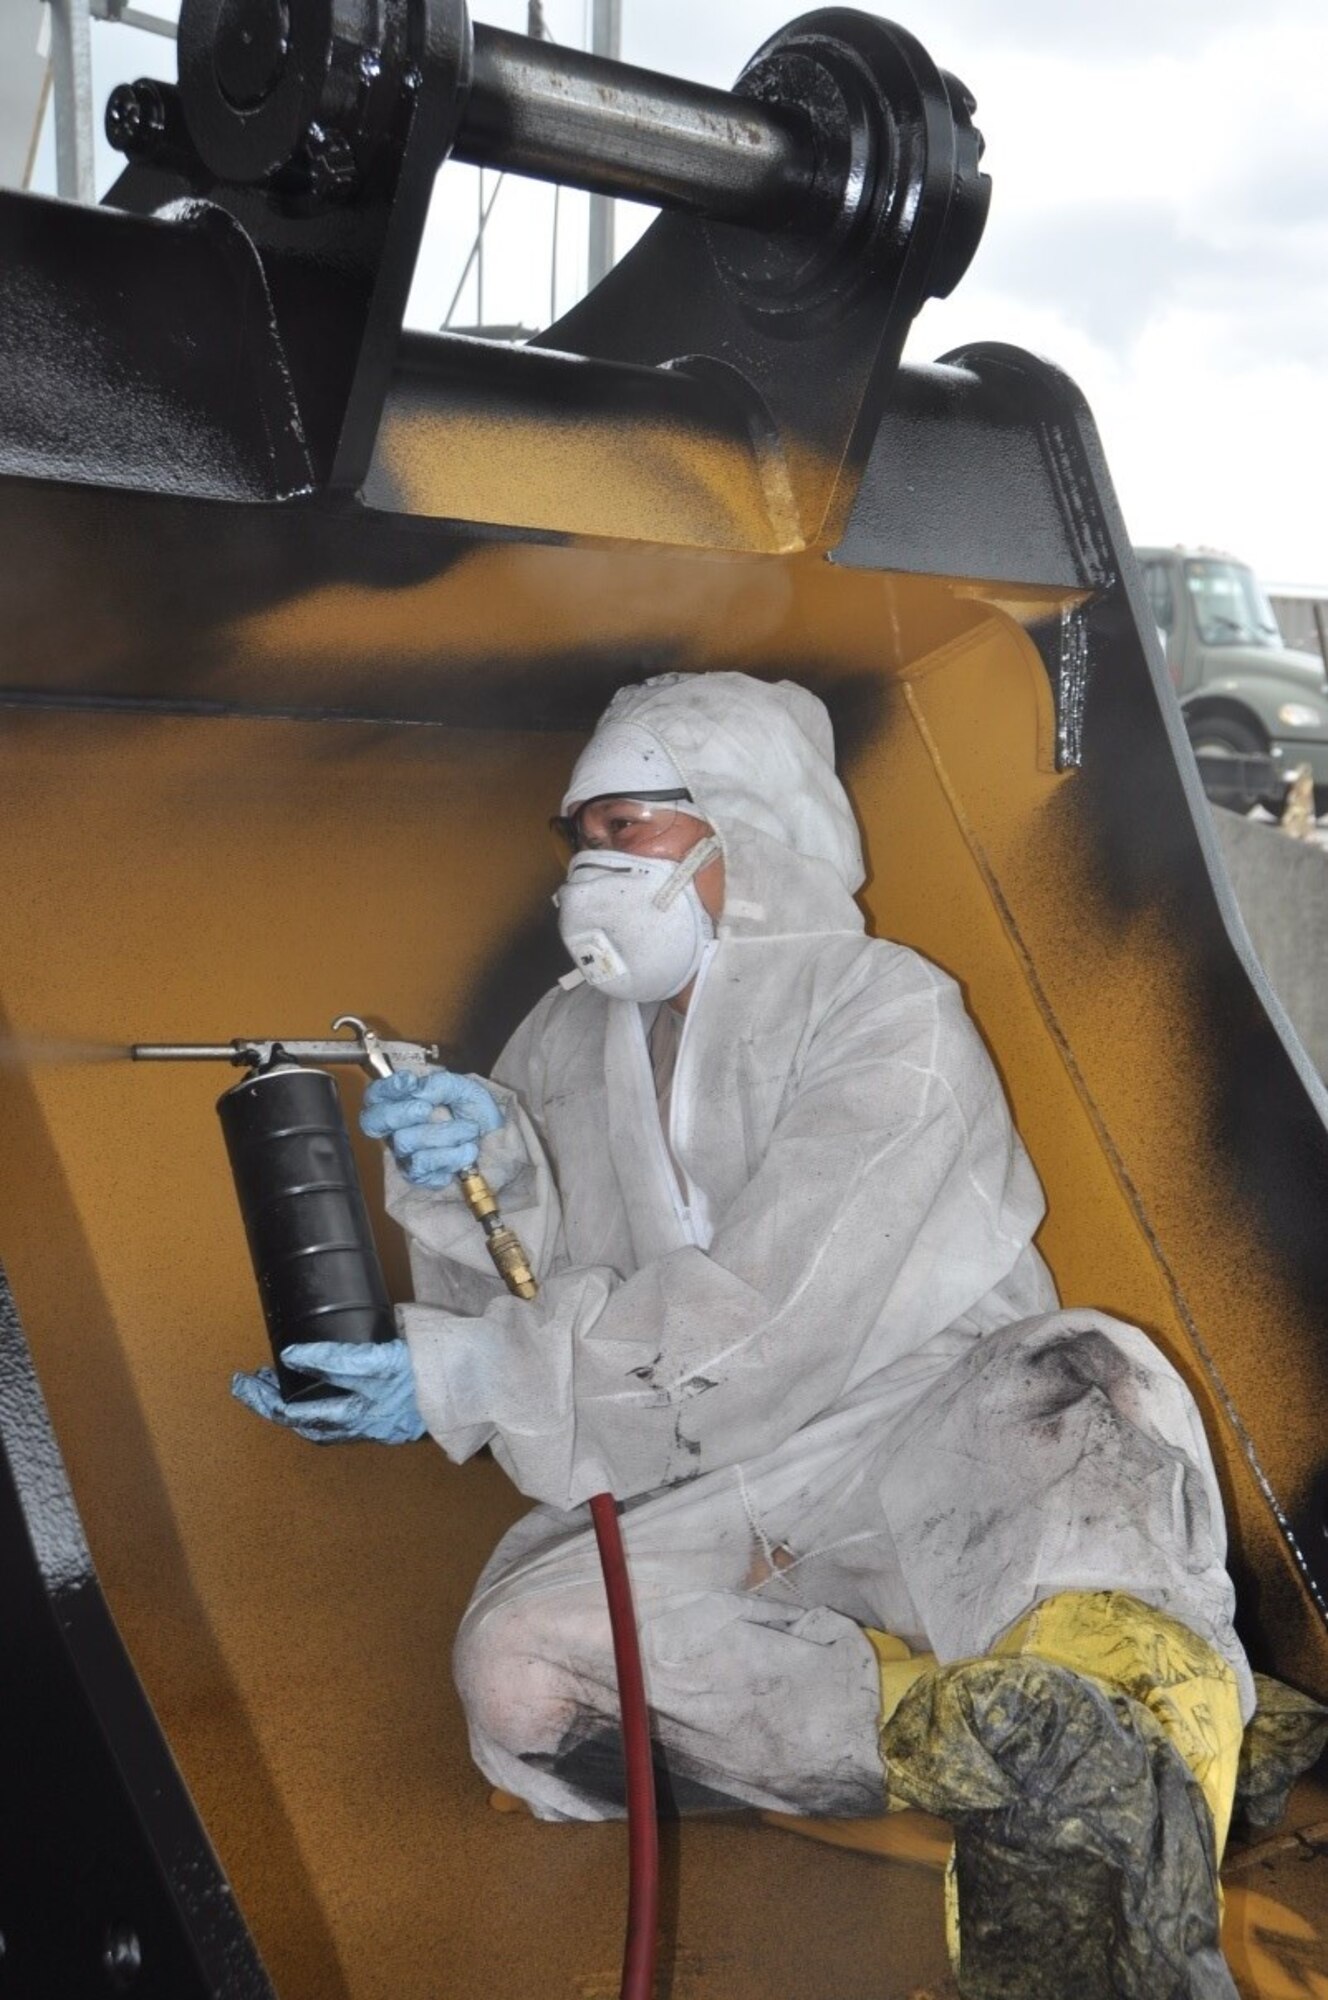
{"points": [[1230, 608]]}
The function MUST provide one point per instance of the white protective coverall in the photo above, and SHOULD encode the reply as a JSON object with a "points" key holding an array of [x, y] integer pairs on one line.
{"points": [[821, 1362]]}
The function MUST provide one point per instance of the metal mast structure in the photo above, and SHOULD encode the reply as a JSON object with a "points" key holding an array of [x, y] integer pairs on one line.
{"points": [[605, 40]]}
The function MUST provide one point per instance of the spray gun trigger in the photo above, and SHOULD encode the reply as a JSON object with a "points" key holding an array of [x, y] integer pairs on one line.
{"points": [[374, 1056]]}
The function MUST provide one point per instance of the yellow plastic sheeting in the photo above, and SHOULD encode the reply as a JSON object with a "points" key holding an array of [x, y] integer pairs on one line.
{"points": [[1119, 1642], [899, 1668], [1116, 1641]]}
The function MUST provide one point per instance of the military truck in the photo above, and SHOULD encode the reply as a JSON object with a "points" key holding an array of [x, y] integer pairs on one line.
{"points": [[1301, 611], [1255, 709]]}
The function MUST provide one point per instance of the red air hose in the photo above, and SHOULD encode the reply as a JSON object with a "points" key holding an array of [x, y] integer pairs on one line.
{"points": [[638, 1976]]}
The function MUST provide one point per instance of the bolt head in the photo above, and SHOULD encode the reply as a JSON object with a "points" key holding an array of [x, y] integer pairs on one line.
{"points": [[135, 119]]}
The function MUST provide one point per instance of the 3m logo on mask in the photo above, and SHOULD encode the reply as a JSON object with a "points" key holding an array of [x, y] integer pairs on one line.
{"points": [[634, 925], [596, 960]]}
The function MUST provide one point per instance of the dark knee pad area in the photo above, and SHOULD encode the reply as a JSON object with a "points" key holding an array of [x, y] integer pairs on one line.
{"points": [[590, 1759]]}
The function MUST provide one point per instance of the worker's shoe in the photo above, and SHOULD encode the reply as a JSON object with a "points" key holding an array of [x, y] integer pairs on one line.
{"points": [[1084, 1857]]}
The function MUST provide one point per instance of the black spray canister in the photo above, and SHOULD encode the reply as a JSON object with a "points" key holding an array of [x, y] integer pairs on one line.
{"points": [[313, 1251]]}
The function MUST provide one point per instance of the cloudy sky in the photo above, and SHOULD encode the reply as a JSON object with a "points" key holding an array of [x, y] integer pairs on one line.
{"points": [[1159, 227]]}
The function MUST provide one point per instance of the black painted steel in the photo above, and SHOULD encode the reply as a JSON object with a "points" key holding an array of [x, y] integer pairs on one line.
{"points": [[267, 86], [839, 182], [107, 1881], [136, 353], [308, 1229], [897, 149], [267, 95], [325, 171]]}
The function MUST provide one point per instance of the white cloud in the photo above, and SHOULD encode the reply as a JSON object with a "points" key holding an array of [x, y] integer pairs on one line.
{"points": [[1090, 31], [1160, 228]]}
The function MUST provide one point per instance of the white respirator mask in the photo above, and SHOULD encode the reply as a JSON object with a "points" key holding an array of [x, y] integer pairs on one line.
{"points": [[633, 923]]}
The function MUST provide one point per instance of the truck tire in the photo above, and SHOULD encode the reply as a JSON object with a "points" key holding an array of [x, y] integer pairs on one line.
{"points": [[1228, 736]]}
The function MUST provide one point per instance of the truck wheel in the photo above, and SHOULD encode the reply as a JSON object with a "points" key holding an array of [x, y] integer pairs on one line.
{"points": [[1227, 736]]}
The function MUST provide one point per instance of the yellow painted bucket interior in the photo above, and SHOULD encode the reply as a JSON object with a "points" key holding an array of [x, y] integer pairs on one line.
{"points": [[290, 1609]]}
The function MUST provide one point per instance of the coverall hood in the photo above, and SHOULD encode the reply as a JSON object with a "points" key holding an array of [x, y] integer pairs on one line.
{"points": [[758, 759]]}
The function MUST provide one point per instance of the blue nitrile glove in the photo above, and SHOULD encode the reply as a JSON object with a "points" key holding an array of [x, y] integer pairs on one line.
{"points": [[429, 1150], [379, 1403]]}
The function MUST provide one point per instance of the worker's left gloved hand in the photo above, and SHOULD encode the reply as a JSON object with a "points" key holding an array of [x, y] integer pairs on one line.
{"points": [[400, 1109], [379, 1402]]}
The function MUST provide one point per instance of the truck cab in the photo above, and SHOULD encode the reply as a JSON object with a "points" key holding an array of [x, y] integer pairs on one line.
{"points": [[1255, 710]]}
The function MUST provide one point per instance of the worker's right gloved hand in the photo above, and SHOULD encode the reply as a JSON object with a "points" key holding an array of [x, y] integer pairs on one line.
{"points": [[399, 1109]]}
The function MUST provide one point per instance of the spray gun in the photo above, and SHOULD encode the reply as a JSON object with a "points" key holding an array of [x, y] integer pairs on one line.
{"points": [[313, 1252], [319, 1278]]}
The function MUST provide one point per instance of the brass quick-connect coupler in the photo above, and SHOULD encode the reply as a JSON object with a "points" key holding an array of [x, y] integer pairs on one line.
{"points": [[478, 1193], [512, 1262], [505, 1247]]}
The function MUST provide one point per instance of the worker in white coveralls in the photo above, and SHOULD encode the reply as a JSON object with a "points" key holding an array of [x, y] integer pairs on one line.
{"points": [[791, 1313]]}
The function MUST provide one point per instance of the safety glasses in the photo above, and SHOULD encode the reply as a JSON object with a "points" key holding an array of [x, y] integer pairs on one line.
{"points": [[630, 825]]}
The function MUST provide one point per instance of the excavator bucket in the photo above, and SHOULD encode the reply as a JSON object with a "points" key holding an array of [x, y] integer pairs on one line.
{"points": [[302, 621]]}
